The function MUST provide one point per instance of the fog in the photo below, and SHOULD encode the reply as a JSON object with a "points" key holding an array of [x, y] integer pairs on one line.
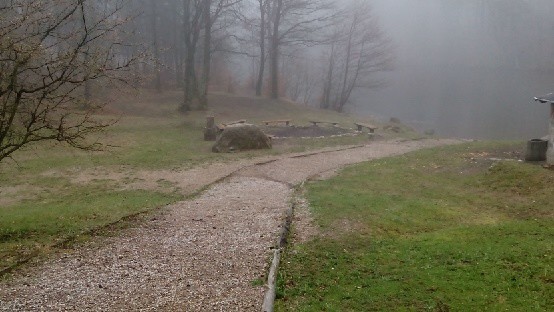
{"points": [[467, 68], [464, 68]]}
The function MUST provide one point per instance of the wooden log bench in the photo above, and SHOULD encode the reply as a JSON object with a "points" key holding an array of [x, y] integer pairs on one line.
{"points": [[276, 122], [235, 122], [324, 122], [361, 126]]}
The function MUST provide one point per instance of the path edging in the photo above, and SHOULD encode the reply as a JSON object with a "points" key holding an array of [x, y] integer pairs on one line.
{"points": [[270, 294]]}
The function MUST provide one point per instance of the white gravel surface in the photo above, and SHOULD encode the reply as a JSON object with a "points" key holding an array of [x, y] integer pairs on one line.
{"points": [[198, 255]]}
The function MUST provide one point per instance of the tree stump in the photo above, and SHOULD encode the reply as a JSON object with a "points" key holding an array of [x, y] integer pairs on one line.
{"points": [[210, 133], [536, 150]]}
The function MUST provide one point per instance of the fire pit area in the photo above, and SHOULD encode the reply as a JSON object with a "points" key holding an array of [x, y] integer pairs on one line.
{"points": [[307, 132]]}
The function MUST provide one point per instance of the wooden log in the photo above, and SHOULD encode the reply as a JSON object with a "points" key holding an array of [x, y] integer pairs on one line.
{"points": [[324, 122], [370, 128], [235, 122], [268, 122]]}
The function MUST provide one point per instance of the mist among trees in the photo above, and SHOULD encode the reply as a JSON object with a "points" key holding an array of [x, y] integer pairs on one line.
{"points": [[467, 68], [463, 67]]}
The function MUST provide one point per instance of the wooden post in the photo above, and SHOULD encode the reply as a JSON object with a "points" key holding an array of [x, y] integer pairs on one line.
{"points": [[210, 132], [550, 151], [210, 122]]}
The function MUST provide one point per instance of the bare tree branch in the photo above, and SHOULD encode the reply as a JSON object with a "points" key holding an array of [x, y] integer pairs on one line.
{"points": [[49, 51]]}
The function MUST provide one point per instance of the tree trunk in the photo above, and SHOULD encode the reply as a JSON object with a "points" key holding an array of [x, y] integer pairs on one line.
{"points": [[326, 99], [177, 50], [274, 66], [178, 67], [207, 54], [155, 47], [185, 106], [259, 82], [339, 105]]}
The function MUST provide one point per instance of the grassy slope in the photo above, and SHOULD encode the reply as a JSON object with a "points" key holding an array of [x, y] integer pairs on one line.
{"points": [[48, 206], [440, 230]]}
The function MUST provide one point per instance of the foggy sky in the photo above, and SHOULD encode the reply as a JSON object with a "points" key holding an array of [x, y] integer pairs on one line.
{"points": [[467, 68]]}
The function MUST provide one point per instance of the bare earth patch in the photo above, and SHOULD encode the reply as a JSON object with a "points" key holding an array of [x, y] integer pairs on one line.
{"points": [[201, 254], [10, 195], [184, 181], [305, 228]]}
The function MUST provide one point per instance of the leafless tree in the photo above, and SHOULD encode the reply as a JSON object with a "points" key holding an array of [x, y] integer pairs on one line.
{"points": [[212, 14], [191, 33], [48, 51], [155, 44], [207, 56], [263, 7], [360, 51], [295, 22], [329, 75], [303, 77], [200, 17], [253, 37]]}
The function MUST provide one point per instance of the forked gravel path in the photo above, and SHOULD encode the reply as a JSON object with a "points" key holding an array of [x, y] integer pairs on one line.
{"points": [[201, 254]]}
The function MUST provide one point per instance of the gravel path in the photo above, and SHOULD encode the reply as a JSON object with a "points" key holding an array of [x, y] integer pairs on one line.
{"points": [[202, 254]]}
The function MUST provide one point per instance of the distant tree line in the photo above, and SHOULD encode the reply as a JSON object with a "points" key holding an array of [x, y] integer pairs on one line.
{"points": [[282, 41], [317, 52]]}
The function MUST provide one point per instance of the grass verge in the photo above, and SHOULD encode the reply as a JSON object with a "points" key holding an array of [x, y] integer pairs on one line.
{"points": [[447, 229], [34, 227]]}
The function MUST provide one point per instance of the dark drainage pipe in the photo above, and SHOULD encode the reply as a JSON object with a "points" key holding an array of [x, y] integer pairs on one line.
{"points": [[536, 150]]}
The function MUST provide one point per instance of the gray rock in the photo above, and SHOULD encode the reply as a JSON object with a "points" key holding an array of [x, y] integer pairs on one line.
{"points": [[241, 137]]}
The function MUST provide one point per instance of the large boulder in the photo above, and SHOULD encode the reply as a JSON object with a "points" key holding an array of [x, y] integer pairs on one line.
{"points": [[241, 137]]}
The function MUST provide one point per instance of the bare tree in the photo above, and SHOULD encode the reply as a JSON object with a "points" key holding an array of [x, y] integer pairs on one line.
{"points": [[274, 53], [263, 6], [192, 25], [155, 44], [256, 20], [189, 56], [359, 52], [212, 14], [328, 84], [296, 22], [48, 51], [303, 77], [198, 16], [207, 57]]}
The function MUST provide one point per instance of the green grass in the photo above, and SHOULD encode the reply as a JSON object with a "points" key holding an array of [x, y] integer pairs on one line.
{"points": [[46, 205], [32, 227], [445, 229]]}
